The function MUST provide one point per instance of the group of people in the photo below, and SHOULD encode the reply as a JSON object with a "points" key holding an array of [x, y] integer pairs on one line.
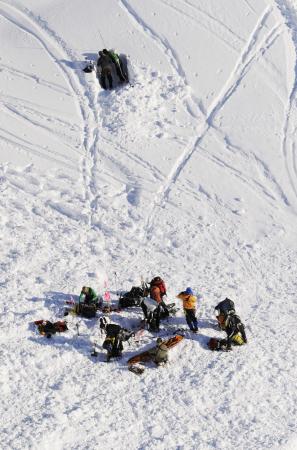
{"points": [[154, 309], [108, 65]]}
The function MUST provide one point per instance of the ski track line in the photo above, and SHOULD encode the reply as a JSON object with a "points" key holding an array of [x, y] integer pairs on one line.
{"points": [[38, 113], [24, 104], [258, 189], [249, 54], [28, 145], [260, 163], [48, 44], [25, 148], [11, 110], [250, 6], [214, 19], [168, 51], [289, 13], [205, 25], [135, 158], [28, 76]]}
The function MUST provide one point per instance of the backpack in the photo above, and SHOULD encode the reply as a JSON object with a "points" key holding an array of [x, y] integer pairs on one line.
{"points": [[225, 307], [87, 311], [132, 298], [157, 281], [112, 330]]}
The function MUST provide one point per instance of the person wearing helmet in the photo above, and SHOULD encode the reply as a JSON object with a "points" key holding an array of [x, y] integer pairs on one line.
{"points": [[189, 304], [159, 353]]}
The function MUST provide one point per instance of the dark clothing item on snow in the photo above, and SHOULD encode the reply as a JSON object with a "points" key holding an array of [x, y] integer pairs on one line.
{"points": [[115, 336], [89, 67], [159, 353], [86, 310], [133, 297]]}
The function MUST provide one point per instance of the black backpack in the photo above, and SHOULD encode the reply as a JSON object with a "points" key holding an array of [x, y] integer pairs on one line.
{"points": [[225, 307], [132, 298], [87, 311], [112, 329]]}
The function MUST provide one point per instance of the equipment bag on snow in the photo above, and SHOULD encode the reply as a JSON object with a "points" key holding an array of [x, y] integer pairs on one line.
{"points": [[112, 330], [132, 298], [87, 311], [225, 307]]}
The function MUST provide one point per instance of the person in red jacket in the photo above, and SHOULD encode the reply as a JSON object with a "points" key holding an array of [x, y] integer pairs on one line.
{"points": [[157, 292]]}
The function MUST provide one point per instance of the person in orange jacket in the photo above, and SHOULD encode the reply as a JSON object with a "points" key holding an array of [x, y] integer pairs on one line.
{"points": [[157, 292], [189, 305]]}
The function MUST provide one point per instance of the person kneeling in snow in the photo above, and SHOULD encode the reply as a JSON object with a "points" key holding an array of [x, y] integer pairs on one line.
{"points": [[88, 296], [115, 336], [159, 353], [234, 328], [189, 305]]}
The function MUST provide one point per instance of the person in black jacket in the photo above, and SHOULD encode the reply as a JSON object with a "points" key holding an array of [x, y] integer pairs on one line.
{"points": [[104, 70], [234, 328], [115, 336]]}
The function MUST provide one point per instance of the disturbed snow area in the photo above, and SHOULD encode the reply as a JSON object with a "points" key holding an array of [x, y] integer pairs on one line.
{"points": [[191, 174]]}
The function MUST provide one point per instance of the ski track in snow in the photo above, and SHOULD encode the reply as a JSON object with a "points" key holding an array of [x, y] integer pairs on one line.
{"points": [[25, 24], [250, 53], [29, 76], [191, 104], [56, 51], [224, 30], [288, 9]]}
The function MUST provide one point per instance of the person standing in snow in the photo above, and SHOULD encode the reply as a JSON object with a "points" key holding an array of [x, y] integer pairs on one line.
{"points": [[117, 63], [157, 292], [104, 69], [189, 304]]}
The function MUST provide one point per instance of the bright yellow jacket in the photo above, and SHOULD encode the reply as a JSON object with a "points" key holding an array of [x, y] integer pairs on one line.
{"points": [[189, 301]]}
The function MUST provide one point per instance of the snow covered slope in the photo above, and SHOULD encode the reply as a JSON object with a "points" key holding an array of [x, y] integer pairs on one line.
{"points": [[191, 175]]}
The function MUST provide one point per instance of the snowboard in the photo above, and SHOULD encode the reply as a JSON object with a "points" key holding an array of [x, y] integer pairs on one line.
{"points": [[146, 356]]}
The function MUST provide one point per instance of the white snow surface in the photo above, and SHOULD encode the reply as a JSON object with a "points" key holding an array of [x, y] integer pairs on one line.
{"points": [[191, 175]]}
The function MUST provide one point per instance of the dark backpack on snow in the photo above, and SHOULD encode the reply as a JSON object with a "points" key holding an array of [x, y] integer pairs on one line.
{"points": [[225, 307]]}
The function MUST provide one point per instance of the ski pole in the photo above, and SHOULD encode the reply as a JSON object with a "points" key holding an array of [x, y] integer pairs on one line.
{"points": [[116, 284]]}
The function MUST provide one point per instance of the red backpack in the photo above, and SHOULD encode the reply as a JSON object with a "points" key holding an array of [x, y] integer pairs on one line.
{"points": [[157, 281]]}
